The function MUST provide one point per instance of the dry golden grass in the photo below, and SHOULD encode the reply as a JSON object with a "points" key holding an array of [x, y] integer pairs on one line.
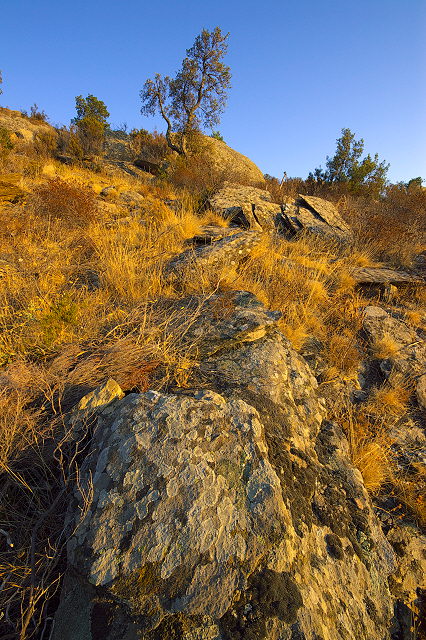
{"points": [[83, 298], [384, 347]]}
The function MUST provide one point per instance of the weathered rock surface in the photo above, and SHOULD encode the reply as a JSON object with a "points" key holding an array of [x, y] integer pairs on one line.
{"points": [[408, 345], [23, 129], [252, 208], [317, 216], [247, 207], [10, 191], [408, 583], [229, 250], [225, 512], [386, 276], [232, 163]]}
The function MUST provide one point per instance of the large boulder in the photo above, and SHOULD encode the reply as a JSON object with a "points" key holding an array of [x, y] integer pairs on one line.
{"points": [[229, 511], [235, 166]]}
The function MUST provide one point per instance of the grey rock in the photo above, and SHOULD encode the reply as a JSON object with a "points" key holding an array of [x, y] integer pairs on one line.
{"points": [[421, 391], [409, 358], [252, 208], [316, 216], [247, 207], [226, 512], [229, 250], [385, 276]]}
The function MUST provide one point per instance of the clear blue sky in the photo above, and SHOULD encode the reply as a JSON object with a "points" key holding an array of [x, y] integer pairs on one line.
{"points": [[301, 70]]}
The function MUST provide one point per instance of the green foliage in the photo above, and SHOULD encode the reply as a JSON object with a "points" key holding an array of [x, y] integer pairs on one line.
{"points": [[196, 96], [35, 114], [91, 123], [217, 136], [347, 167], [6, 144], [414, 183]]}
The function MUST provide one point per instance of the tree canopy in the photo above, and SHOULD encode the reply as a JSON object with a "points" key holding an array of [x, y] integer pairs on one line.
{"points": [[91, 122], [348, 167], [196, 96]]}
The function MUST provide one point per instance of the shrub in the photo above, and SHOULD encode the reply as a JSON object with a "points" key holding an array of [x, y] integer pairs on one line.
{"points": [[35, 114], [69, 202], [149, 146], [45, 143], [6, 144]]}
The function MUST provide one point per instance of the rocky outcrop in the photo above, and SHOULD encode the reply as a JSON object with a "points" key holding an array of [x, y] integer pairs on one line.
{"points": [[231, 164], [228, 250], [386, 278], [252, 208], [10, 191], [247, 207], [228, 511], [406, 346], [22, 129]]}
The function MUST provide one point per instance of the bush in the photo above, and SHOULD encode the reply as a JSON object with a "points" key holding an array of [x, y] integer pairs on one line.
{"points": [[149, 146], [35, 114], [6, 144], [45, 143], [71, 203]]}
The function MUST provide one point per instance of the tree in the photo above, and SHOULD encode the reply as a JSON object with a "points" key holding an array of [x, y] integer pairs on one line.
{"points": [[197, 94], [347, 167], [1, 81], [91, 122]]}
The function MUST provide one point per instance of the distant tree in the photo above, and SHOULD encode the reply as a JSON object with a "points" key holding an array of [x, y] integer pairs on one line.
{"points": [[217, 136], [91, 122], [414, 183], [1, 82], [349, 168], [196, 96]]}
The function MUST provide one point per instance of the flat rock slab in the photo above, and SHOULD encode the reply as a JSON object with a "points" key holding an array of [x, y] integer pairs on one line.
{"points": [[229, 250], [212, 233], [385, 276]]}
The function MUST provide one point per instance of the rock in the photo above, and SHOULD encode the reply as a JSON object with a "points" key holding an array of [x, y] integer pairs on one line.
{"points": [[408, 583], [108, 192], [229, 250], [317, 216], [24, 130], [247, 207], [210, 234], [224, 321], [407, 354], [421, 392], [385, 277], [93, 405], [252, 208], [10, 192], [237, 167], [132, 198], [228, 512]]}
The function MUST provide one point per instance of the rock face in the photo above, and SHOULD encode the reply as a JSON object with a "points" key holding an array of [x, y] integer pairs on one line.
{"points": [[408, 354], [228, 161], [229, 250], [22, 129], [229, 511], [252, 208]]}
